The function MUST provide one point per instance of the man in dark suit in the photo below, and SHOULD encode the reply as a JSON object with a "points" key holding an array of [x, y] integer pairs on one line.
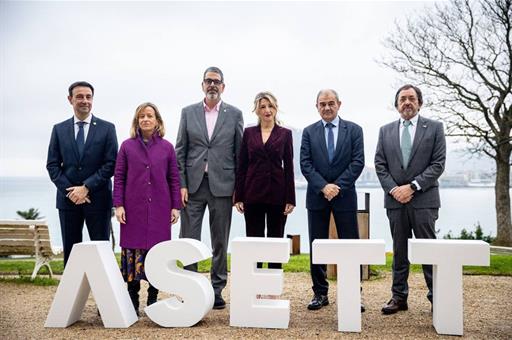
{"points": [[331, 160], [207, 147], [410, 157], [81, 160]]}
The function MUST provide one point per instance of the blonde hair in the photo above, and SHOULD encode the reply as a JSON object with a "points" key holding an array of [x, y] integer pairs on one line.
{"points": [[271, 98], [160, 128]]}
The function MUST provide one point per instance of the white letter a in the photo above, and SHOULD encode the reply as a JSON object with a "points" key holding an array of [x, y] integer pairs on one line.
{"points": [[92, 266]]}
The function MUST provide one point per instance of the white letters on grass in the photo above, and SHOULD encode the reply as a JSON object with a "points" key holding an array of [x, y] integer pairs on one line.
{"points": [[92, 266], [193, 288], [247, 281], [349, 255], [447, 258]]}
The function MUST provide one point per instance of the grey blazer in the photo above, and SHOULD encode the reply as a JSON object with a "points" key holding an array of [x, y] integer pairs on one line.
{"points": [[194, 149], [426, 162]]}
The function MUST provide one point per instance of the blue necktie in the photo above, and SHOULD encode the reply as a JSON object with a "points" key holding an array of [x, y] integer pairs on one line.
{"points": [[406, 144], [80, 138], [330, 141]]}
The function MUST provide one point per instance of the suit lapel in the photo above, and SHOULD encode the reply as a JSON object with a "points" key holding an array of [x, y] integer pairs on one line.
{"points": [[273, 135], [321, 139], [342, 134], [395, 138], [90, 134], [201, 119], [71, 134], [220, 120], [421, 128]]}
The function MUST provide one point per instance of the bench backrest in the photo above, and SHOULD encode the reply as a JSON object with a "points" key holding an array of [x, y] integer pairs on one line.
{"points": [[24, 237]]}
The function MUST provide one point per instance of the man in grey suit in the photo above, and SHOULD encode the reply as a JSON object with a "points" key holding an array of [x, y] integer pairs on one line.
{"points": [[207, 147], [410, 157]]}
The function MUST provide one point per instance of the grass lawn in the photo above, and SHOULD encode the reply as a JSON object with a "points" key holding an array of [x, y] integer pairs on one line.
{"points": [[38, 281], [500, 265]]}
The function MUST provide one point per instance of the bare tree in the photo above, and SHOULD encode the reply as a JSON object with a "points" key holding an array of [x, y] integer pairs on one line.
{"points": [[461, 53]]}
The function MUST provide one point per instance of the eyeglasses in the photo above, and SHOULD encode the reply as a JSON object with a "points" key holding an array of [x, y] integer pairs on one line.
{"points": [[209, 81]]}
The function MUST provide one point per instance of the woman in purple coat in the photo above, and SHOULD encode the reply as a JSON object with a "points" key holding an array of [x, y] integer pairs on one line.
{"points": [[265, 188], [146, 195]]}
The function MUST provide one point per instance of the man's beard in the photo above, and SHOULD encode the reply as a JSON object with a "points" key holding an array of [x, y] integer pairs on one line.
{"points": [[212, 95]]}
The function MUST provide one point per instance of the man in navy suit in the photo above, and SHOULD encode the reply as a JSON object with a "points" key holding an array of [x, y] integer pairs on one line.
{"points": [[81, 160], [331, 160]]}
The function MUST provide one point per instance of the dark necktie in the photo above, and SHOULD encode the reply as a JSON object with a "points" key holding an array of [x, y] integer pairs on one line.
{"points": [[80, 138], [330, 141], [406, 144]]}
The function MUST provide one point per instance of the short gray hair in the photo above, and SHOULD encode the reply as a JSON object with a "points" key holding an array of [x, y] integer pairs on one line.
{"points": [[328, 90], [214, 69]]}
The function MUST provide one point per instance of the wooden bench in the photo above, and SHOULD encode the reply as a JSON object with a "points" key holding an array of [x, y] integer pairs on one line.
{"points": [[27, 237]]}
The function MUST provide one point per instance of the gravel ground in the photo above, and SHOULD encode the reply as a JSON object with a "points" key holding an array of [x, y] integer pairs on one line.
{"points": [[487, 314]]}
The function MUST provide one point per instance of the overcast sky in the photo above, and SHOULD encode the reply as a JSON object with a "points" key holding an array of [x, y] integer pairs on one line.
{"points": [[134, 52]]}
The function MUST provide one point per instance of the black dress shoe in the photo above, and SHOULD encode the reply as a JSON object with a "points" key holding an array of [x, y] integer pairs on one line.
{"points": [[363, 308], [394, 306], [318, 302], [219, 302]]}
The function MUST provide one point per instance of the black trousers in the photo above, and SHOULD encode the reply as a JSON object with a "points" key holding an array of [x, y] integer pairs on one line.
{"points": [[318, 225], [403, 222], [255, 215], [72, 223]]}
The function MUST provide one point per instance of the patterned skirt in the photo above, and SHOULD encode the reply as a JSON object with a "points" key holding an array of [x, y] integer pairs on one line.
{"points": [[132, 264]]}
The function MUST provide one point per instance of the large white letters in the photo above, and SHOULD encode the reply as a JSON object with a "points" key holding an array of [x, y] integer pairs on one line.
{"points": [[348, 255], [195, 289], [92, 266], [247, 281], [447, 258]]}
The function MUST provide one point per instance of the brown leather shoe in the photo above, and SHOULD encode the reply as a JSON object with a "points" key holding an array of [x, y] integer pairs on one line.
{"points": [[394, 306]]}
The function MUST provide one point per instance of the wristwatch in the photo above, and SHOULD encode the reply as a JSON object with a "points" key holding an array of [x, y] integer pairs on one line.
{"points": [[413, 187]]}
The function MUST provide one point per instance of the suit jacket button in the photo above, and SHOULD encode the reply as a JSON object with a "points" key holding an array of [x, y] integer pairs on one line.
{"points": [[79, 168], [205, 159], [149, 199]]}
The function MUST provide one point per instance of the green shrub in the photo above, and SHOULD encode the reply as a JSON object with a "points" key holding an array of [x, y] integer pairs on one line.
{"points": [[478, 234]]}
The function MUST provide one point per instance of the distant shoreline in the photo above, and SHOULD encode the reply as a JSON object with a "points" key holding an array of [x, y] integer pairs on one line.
{"points": [[299, 183]]}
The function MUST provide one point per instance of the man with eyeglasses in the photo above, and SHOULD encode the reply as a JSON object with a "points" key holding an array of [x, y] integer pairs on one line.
{"points": [[331, 160], [207, 147], [410, 158]]}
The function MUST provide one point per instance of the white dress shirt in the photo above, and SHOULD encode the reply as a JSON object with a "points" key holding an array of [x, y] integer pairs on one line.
{"points": [[87, 122]]}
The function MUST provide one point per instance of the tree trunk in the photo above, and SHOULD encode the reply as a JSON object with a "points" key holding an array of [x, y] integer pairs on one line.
{"points": [[502, 194]]}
